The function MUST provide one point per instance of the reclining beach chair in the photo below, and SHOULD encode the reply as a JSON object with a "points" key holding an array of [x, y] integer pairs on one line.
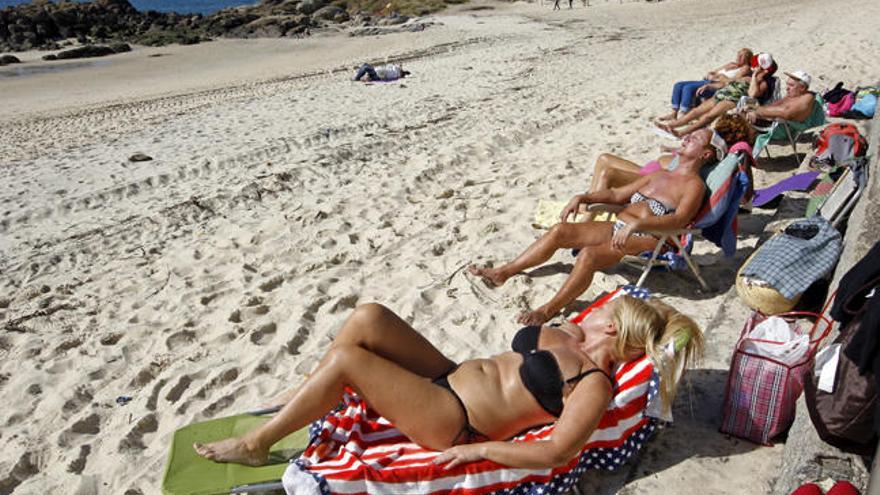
{"points": [[364, 453], [789, 130], [726, 182]]}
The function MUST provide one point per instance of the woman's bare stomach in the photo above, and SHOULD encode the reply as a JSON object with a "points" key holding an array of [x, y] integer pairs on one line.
{"points": [[497, 403]]}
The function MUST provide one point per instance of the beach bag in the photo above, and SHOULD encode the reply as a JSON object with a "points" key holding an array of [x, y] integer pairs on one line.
{"points": [[835, 94], [838, 144], [767, 376], [837, 108], [865, 105], [844, 416]]}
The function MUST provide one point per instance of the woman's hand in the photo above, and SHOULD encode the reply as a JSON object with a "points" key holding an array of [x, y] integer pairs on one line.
{"points": [[619, 240], [702, 89], [460, 454], [571, 208]]}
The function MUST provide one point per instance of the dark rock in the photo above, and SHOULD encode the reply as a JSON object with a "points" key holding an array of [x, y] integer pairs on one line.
{"points": [[85, 52], [327, 13], [139, 157], [120, 47], [50, 57], [394, 19], [9, 59], [308, 7]]}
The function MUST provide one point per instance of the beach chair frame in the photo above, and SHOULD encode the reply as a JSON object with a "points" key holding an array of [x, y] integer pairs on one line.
{"points": [[665, 238], [790, 133]]}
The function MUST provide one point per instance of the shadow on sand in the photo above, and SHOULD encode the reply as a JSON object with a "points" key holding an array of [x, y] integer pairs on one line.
{"points": [[694, 433]]}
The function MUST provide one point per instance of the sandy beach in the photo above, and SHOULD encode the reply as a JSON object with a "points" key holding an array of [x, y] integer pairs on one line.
{"points": [[281, 194]]}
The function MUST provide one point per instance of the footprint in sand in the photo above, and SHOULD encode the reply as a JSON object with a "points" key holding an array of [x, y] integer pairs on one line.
{"points": [[26, 467], [224, 378], [299, 338], [179, 339], [78, 465], [271, 284], [81, 396], [134, 441], [178, 389], [264, 333]]}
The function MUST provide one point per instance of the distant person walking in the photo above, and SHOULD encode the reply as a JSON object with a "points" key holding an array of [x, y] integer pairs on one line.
{"points": [[570, 2], [556, 5]]}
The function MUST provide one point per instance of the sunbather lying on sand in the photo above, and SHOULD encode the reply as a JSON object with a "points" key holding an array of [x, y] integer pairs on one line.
{"points": [[613, 171], [661, 200], [387, 72], [758, 86], [554, 374]]}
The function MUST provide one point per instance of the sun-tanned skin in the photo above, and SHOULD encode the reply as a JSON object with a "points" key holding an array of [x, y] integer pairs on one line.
{"points": [[719, 80], [705, 113], [391, 365], [681, 188], [795, 106]]}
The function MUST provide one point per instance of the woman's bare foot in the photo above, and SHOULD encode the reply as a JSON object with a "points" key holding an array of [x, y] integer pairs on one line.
{"points": [[536, 317], [234, 450], [669, 116], [490, 276]]}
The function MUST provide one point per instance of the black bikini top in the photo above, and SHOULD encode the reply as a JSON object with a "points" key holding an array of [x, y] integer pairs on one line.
{"points": [[540, 371]]}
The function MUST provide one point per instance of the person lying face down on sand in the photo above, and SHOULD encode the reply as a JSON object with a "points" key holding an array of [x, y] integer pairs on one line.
{"points": [[613, 171], [796, 105], [658, 201], [387, 72], [553, 374], [684, 92], [756, 86]]}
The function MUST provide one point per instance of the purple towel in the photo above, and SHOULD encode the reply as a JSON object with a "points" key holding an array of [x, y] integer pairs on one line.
{"points": [[796, 182]]}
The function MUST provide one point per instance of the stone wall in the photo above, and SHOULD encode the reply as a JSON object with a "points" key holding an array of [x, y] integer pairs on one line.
{"points": [[806, 457]]}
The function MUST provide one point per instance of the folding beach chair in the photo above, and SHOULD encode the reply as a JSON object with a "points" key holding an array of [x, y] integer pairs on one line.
{"points": [[789, 130], [188, 474], [726, 182]]}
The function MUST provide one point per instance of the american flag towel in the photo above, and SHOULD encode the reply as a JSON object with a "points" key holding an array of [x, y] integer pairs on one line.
{"points": [[355, 451]]}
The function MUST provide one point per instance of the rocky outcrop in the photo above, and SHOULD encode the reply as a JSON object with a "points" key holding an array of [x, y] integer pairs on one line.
{"points": [[9, 59], [89, 51], [43, 24]]}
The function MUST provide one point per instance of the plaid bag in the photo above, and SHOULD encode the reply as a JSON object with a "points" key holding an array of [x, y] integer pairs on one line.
{"points": [[759, 401]]}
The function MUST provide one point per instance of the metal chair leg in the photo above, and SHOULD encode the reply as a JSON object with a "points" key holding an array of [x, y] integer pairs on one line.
{"points": [[691, 264], [650, 263]]}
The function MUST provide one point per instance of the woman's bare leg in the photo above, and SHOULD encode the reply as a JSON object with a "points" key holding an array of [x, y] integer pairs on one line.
{"points": [[707, 118], [560, 236], [379, 330], [426, 413], [612, 171], [692, 114], [590, 259]]}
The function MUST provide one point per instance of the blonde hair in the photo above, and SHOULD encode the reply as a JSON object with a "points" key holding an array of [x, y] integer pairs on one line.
{"points": [[649, 326]]}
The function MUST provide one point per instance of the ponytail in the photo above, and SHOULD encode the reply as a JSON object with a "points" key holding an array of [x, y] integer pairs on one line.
{"points": [[671, 339]]}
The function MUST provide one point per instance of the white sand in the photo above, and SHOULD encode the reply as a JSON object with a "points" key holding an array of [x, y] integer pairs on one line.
{"points": [[205, 280]]}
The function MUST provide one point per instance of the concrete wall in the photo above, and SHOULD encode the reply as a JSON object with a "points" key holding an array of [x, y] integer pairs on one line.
{"points": [[806, 457]]}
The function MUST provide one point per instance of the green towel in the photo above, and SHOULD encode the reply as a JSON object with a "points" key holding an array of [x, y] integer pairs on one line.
{"points": [[188, 474], [777, 131]]}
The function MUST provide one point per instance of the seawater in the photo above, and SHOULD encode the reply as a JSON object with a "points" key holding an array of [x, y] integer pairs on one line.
{"points": [[180, 6]]}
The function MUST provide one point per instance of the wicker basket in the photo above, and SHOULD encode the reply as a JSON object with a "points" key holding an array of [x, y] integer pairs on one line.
{"points": [[760, 295]]}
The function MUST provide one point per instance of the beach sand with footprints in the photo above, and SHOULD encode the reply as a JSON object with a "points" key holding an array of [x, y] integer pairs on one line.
{"points": [[281, 194]]}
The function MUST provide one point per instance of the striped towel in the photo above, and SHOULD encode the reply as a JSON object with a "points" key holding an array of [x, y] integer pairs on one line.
{"points": [[364, 453]]}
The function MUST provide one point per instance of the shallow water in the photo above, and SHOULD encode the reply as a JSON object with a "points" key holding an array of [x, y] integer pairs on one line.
{"points": [[32, 69], [180, 6]]}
